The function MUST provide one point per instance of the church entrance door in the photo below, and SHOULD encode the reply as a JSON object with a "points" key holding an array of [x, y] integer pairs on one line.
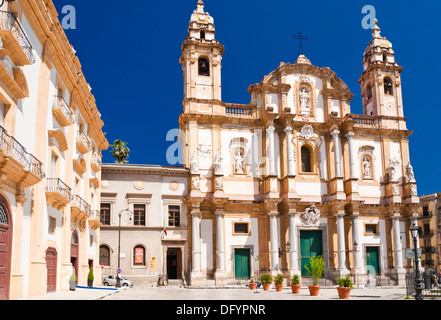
{"points": [[310, 246], [242, 264], [372, 260]]}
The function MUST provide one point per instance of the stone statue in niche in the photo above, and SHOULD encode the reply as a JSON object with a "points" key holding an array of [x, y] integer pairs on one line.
{"points": [[305, 98], [238, 162], [367, 167]]}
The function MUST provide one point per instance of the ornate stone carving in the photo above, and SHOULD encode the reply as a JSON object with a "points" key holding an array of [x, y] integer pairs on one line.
{"points": [[195, 183], [194, 167], [218, 163], [219, 183], [409, 172], [311, 216], [394, 167], [204, 151], [307, 132]]}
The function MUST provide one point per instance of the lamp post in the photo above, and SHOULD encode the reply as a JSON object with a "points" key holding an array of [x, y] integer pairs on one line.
{"points": [[418, 281], [118, 277]]}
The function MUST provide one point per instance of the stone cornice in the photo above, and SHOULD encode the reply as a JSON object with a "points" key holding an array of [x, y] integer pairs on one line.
{"points": [[145, 169]]}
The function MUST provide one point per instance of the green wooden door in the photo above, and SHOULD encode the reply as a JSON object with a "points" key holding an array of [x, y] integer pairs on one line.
{"points": [[372, 260], [242, 264], [310, 246]]}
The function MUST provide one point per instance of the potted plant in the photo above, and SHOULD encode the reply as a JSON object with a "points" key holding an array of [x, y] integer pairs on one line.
{"points": [[295, 284], [278, 281], [345, 287], [73, 281], [252, 284], [90, 278], [266, 280], [316, 271]]}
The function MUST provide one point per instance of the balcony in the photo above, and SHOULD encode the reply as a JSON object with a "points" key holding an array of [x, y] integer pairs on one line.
{"points": [[83, 143], [58, 194], [15, 39], [95, 220], [96, 163], [239, 111], [62, 113], [80, 209], [17, 164], [363, 121]]}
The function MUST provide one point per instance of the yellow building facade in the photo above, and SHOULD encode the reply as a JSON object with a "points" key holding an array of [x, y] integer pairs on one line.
{"points": [[429, 223], [51, 141]]}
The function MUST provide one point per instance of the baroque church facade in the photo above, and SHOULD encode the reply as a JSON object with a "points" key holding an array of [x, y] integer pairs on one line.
{"points": [[294, 173]]}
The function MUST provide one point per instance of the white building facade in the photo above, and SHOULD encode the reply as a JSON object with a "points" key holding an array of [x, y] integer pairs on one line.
{"points": [[294, 174]]}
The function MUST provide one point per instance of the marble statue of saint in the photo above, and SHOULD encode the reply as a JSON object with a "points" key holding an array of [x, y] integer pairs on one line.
{"points": [[239, 162], [366, 167], [410, 173], [218, 163], [304, 100]]}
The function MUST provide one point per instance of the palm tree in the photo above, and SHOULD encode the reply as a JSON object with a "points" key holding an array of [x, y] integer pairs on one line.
{"points": [[120, 151]]}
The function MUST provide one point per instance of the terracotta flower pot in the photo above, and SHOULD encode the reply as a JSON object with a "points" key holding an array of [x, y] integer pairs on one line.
{"points": [[295, 288], [253, 286], [279, 287], [314, 290], [343, 292], [266, 286]]}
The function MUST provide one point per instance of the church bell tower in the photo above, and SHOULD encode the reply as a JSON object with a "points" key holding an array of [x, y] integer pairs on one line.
{"points": [[381, 79], [201, 60]]}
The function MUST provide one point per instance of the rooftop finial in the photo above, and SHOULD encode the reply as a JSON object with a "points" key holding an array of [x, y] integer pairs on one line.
{"points": [[376, 30], [200, 6]]}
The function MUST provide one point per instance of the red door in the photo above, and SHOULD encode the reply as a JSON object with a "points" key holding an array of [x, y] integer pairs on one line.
{"points": [[51, 264], [5, 249]]}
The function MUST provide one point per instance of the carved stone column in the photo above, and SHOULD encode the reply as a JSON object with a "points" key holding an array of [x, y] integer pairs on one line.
{"points": [[341, 243], [398, 249], [220, 250], [195, 244], [337, 154], [293, 253], [274, 239], [290, 151], [272, 159]]}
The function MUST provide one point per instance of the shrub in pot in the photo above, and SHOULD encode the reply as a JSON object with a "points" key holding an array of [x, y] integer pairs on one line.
{"points": [[295, 284], [316, 271], [252, 284], [73, 281], [90, 278], [345, 287], [278, 281], [266, 280]]}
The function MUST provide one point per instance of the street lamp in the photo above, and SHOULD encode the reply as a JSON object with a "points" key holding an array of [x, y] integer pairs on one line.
{"points": [[118, 277], [418, 281]]}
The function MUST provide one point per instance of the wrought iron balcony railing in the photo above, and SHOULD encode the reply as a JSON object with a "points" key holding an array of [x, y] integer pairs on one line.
{"points": [[13, 149], [60, 105], [55, 185], [83, 142], [9, 22], [81, 204]]}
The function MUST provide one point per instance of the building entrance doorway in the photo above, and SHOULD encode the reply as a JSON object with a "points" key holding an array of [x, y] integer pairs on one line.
{"points": [[5, 248], [174, 263], [310, 246], [372, 260], [51, 265], [242, 264]]}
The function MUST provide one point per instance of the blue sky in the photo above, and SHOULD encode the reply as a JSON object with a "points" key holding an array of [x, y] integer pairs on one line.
{"points": [[130, 55]]}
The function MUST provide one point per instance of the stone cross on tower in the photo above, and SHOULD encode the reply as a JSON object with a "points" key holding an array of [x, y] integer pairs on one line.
{"points": [[300, 37]]}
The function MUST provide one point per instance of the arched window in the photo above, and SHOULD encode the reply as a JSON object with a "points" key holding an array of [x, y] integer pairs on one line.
{"points": [[388, 86], [306, 159], [139, 256], [3, 216], [202, 34], [105, 255], [204, 67]]}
